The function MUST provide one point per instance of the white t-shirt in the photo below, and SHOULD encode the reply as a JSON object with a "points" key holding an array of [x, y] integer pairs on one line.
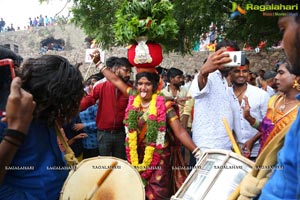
{"points": [[212, 104], [258, 101]]}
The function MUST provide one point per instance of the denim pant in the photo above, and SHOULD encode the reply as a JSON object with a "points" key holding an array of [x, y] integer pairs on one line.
{"points": [[112, 143]]}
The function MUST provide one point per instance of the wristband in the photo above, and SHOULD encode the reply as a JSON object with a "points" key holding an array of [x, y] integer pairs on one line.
{"points": [[103, 68], [197, 153], [15, 134], [11, 142], [195, 150], [256, 124], [98, 63]]}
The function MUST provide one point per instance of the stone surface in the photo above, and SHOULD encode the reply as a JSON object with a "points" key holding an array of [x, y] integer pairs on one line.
{"points": [[28, 43]]}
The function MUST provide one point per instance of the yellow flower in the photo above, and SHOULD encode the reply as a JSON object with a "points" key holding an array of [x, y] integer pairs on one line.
{"points": [[147, 158], [133, 136], [152, 106], [137, 101]]}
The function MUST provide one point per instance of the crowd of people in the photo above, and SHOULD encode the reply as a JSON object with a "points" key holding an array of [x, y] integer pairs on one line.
{"points": [[151, 123], [38, 21]]}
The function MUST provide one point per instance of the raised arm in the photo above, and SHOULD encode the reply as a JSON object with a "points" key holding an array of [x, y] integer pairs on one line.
{"points": [[19, 109], [213, 63], [110, 76]]}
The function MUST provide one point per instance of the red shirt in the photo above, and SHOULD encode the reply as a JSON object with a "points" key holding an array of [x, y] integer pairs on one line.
{"points": [[112, 104]]}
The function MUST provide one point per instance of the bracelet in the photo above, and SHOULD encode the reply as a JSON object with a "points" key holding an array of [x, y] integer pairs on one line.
{"points": [[15, 134], [11, 142], [98, 63], [174, 98], [103, 68], [256, 124], [195, 150]]}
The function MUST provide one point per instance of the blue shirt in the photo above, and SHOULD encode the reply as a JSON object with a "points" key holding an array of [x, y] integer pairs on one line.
{"points": [[41, 156], [88, 118], [284, 182]]}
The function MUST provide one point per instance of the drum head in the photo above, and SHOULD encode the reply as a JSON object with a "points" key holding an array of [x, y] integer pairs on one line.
{"points": [[215, 176], [124, 182]]}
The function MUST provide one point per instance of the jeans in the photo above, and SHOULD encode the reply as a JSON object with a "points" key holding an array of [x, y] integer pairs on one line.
{"points": [[112, 143]]}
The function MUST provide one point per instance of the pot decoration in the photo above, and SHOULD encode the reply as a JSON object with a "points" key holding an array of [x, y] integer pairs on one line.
{"points": [[145, 55]]}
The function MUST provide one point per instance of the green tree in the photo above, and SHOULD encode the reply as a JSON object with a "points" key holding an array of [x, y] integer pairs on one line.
{"points": [[97, 19]]}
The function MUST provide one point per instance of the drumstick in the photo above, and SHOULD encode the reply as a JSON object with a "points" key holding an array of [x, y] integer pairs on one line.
{"points": [[233, 142], [101, 180]]}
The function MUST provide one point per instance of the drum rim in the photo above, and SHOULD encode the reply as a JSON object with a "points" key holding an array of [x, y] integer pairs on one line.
{"points": [[102, 157], [230, 153], [205, 153]]}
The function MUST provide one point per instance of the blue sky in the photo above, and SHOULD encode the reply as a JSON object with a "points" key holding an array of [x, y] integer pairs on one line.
{"points": [[18, 11]]}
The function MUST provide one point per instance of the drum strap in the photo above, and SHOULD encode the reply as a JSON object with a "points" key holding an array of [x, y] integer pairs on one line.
{"points": [[69, 154]]}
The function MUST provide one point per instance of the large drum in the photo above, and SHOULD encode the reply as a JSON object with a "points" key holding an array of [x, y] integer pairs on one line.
{"points": [[215, 176], [124, 182]]}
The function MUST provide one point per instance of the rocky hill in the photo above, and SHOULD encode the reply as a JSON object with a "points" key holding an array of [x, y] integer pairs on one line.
{"points": [[28, 44]]}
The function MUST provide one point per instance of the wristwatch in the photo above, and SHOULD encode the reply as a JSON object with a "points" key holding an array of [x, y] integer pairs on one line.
{"points": [[174, 98]]}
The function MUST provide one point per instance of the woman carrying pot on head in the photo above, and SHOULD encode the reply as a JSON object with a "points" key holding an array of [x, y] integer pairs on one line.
{"points": [[149, 119]]}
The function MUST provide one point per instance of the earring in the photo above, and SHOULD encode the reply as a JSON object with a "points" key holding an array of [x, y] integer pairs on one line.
{"points": [[296, 85]]}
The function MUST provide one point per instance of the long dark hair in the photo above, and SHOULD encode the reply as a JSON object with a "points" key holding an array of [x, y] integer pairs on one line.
{"points": [[152, 77], [56, 86]]}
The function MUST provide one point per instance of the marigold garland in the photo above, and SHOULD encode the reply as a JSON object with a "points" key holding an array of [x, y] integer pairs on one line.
{"points": [[155, 134]]}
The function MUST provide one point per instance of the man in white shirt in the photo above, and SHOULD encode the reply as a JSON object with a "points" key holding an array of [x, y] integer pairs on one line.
{"points": [[258, 101], [212, 100]]}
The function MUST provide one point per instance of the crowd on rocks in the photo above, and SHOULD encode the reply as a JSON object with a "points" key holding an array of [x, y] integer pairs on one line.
{"points": [[38, 21]]}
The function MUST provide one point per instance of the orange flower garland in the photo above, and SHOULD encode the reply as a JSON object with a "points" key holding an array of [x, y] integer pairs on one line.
{"points": [[155, 135]]}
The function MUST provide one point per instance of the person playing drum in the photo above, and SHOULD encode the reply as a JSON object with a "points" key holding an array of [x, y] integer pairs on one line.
{"points": [[147, 120]]}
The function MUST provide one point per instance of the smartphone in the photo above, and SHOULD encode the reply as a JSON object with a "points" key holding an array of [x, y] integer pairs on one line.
{"points": [[238, 58], [7, 73]]}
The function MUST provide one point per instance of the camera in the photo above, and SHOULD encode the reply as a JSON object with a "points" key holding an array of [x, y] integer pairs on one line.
{"points": [[238, 58], [7, 73]]}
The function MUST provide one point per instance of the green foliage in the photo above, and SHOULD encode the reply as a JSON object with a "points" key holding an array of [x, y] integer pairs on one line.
{"points": [[145, 18], [193, 17], [96, 18]]}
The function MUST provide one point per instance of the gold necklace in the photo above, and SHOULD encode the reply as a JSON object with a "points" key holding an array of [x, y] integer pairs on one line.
{"points": [[283, 106]]}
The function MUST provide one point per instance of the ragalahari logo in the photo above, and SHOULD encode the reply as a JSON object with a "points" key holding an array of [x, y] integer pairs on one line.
{"points": [[236, 10]]}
